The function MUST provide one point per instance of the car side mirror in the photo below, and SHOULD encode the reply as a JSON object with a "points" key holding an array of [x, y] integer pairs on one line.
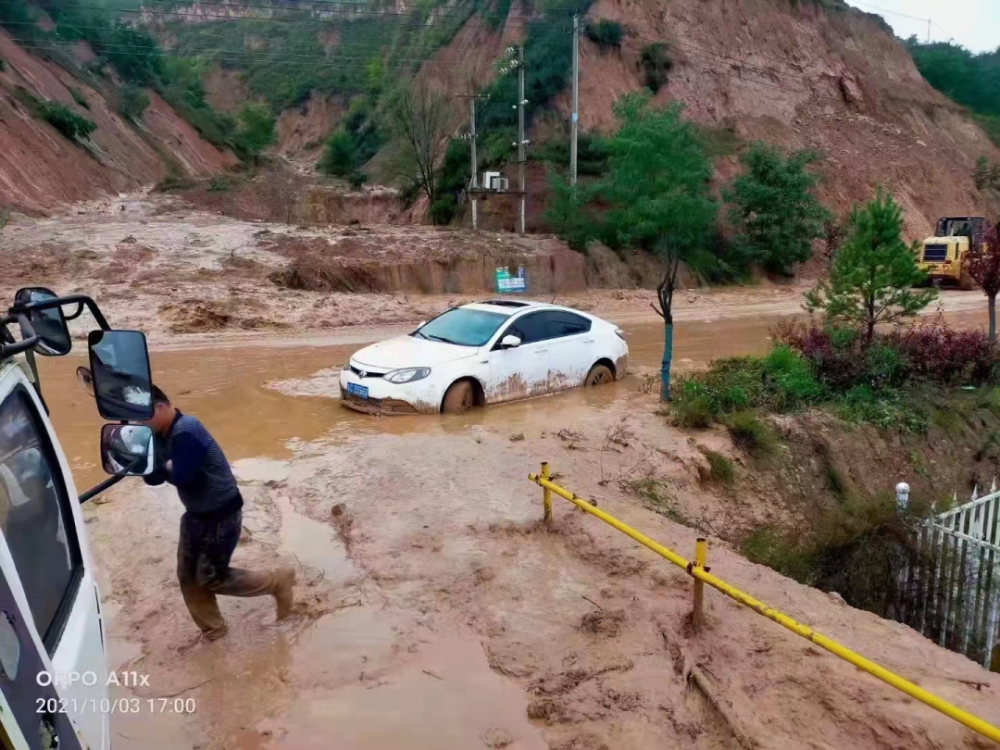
{"points": [[510, 342], [127, 450], [422, 324], [49, 324], [120, 374]]}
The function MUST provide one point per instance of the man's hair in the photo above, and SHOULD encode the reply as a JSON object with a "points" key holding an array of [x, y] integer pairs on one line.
{"points": [[159, 397]]}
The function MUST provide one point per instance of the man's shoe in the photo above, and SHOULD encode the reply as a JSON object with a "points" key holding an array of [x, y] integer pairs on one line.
{"points": [[284, 592], [214, 635]]}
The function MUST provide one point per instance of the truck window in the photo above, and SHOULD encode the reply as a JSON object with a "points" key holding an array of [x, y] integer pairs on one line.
{"points": [[36, 517]]}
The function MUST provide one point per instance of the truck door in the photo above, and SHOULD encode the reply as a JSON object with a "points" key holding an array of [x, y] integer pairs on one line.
{"points": [[49, 611], [33, 716]]}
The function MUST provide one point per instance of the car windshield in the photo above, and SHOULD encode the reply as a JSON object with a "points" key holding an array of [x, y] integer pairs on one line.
{"points": [[462, 326]]}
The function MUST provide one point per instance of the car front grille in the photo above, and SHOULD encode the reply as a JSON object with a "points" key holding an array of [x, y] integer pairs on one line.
{"points": [[365, 374]]}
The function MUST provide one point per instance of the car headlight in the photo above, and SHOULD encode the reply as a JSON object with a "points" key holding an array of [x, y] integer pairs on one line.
{"points": [[408, 375]]}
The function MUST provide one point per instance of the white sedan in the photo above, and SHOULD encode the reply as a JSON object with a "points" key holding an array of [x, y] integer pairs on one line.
{"points": [[484, 353]]}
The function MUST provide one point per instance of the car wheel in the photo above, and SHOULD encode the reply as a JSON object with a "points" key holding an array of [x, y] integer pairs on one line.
{"points": [[599, 375], [460, 398]]}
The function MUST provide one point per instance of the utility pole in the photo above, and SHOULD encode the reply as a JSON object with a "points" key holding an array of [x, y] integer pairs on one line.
{"points": [[475, 163], [928, 31], [574, 122], [520, 130]]}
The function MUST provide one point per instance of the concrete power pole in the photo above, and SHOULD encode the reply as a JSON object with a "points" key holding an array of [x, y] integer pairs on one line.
{"points": [[574, 122], [475, 163], [520, 132]]}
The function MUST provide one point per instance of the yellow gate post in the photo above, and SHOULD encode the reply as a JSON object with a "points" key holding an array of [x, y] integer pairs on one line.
{"points": [[546, 494], [698, 615]]}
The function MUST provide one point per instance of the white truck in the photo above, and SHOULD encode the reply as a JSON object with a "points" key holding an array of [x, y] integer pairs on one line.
{"points": [[53, 675]]}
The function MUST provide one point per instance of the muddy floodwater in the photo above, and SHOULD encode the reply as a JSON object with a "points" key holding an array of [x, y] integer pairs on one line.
{"points": [[226, 387]]}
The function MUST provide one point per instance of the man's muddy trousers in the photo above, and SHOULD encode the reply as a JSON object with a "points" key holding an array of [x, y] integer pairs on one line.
{"points": [[204, 550]]}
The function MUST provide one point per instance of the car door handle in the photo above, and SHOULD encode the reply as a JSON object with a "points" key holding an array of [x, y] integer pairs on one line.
{"points": [[540, 351], [589, 341]]}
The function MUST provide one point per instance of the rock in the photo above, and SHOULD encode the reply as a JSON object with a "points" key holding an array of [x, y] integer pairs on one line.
{"points": [[517, 437], [130, 240], [837, 598], [497, 738], [338, 510], [850, 89]]}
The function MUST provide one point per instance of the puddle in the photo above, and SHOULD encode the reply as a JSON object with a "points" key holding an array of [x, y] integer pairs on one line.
{"points": [[314, 544], [438, 695]]}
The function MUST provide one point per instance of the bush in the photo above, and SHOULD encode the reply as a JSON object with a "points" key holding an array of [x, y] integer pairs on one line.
{"points": [[692, 409], [656, 64], [605, 34], [132, 102], [357, 179], [722, 471], [65, 120], [443, 210], [4, 220], [77, 97], [774, 210], [219, 183], [750, 435]]}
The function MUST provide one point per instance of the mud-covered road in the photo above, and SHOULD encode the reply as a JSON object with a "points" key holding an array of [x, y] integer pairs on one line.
{"points": [[435, 610]]}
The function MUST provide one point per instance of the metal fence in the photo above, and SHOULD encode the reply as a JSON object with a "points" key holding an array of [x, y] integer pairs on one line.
{"points": [[951, 591]]}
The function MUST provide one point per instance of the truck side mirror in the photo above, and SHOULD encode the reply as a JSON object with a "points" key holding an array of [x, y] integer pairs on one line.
{"points": [[49, 324], [127, 450], [120, 373]]}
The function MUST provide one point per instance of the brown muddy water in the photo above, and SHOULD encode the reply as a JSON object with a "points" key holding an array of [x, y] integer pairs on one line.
{"points": [[226, 387]]}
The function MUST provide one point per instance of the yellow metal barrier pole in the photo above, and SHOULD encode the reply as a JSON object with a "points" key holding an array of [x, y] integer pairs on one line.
{"points": [[914, 691], [698, 615], [546, 494]]}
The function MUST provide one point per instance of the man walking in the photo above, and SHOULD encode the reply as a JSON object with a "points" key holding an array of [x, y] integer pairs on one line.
{"points": [[189, 458]]}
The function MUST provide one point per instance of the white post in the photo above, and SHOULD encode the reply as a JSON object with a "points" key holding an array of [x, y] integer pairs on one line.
{"points": [[475, 163], [574, 122], [520, 129]]}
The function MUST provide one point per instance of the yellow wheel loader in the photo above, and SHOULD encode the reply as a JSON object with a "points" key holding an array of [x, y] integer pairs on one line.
{"points": [[942, 257]]}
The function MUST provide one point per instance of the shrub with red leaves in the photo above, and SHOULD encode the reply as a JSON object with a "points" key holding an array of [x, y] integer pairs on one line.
{"points": [[939, 354], [932, 352]]}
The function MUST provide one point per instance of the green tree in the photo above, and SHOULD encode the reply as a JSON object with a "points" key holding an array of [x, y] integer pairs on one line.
{"points": [[132, 102], [658, 196], [568, 215], [256, 131], [873, 275], [338, 158], [774, 210], [421, 122]]}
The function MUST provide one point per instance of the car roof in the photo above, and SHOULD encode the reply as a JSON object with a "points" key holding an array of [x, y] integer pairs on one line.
{"points": [[510, 307]]}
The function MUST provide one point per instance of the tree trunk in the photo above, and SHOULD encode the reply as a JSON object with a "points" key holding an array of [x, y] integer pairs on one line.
{"points": [[668, 353], [871, 330], [993, 317]]}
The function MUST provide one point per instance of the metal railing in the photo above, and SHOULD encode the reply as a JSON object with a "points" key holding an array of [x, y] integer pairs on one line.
{"points": [[702, 576], [953, 587]]}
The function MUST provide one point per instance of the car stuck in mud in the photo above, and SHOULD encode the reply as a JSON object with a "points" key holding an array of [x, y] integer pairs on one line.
{"points": [[484, 353]]}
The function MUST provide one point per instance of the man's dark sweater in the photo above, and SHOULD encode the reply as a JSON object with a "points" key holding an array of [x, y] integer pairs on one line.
{"points": [[199, 469]]}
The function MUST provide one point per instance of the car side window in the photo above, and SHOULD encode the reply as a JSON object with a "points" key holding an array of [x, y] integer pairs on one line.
{"points": [[559, 324], [530, 329], [36, 517]]}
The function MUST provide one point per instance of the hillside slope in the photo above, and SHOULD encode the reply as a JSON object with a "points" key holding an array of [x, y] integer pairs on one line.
{"points": [[802, 76], [39, 168]]}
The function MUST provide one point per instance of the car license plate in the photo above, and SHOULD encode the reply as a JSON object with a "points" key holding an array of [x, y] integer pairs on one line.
{"points": [[361, 391]]}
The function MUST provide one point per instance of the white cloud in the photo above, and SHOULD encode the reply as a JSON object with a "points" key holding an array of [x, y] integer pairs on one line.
{"points": [[972, 23]]}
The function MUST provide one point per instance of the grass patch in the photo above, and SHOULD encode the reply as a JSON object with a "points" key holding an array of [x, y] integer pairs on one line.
{"points": [[219, 183], [79, 98], [751, 435], [721, 468], [654, 493]]}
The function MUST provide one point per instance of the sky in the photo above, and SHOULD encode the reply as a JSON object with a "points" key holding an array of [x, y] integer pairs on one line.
{"points": [[972, 23]]}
